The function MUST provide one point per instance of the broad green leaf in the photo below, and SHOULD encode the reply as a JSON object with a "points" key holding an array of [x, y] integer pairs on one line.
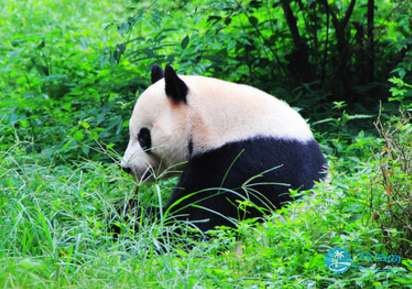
{"points": [[13, 118], [402, 73], [103, 61], [123, 28], [197, 20], [67, 144], [122, 47], [78, 136], [41, 45], [214, 19], [213, 58], [126, 123], [112, 60], [231, 45], [160, 38], [184, 42], [244, 41], [84, 43], [117, 55], [253, 20], [120, 30], [14, 54], [148, 52], [85, 125]]}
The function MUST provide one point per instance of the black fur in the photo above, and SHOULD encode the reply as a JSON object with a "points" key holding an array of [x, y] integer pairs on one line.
{"points": [[145, 139], [298, 164], [175, 87], [190, 147], [157, 73]]}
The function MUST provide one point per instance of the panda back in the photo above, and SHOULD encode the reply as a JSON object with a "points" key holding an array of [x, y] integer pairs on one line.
{"points": [[221, 112]]}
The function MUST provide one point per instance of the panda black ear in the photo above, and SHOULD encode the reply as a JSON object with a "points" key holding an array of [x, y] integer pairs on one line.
{"points": [[157, 73], [175, 87]]}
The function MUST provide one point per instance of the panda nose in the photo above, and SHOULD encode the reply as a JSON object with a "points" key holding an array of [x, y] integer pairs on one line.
{"points": [[126, 168]]}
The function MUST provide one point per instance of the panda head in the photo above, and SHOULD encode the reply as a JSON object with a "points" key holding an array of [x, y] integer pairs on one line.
{"points": [[178, 117], [159, 135]]}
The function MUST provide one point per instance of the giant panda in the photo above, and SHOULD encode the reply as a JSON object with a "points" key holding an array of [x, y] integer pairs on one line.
{"points": [[233, 144]]}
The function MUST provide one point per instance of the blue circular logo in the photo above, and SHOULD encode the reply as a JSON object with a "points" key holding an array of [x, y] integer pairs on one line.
{"points": [[338, 260]]}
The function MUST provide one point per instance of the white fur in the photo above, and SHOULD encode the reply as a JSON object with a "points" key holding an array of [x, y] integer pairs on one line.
{"points": [[217, 112]]}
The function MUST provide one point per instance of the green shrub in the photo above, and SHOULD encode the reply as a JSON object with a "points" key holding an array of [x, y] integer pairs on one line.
{"points": [[391, 186]]}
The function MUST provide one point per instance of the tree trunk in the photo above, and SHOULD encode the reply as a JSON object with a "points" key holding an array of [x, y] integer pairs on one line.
{"points": [[299, 66]]}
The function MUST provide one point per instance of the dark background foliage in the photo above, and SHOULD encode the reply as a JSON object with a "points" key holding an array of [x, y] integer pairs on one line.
{"points": [[309, 52], [62, 88]]}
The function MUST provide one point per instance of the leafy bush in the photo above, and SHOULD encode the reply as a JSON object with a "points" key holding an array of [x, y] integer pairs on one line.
{"points": [[54, 90], [391, 193], [306, 52], [60, 74]]}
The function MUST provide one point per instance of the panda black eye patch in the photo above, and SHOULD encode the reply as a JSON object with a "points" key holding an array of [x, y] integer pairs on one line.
{"points": [[145, 139]]}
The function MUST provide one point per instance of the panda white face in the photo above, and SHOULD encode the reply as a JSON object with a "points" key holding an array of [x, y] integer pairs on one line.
{"points": [[179, 117], [158, 134]]}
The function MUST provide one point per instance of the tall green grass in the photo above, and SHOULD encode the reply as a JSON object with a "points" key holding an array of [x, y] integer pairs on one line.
{"points": [[56, 197], [54, 234]]}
